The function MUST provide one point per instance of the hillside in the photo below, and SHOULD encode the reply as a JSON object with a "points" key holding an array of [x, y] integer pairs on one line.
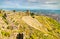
{"points": [[39, 27]]}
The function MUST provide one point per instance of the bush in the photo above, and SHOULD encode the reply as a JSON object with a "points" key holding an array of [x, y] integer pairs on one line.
{"points": [[4, 18], [14, 11], [4, 33], [10, 27], [32, 14], [16, 23]]}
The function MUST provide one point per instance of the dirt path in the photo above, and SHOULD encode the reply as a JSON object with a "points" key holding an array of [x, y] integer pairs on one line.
{"points": [[34, 23]]}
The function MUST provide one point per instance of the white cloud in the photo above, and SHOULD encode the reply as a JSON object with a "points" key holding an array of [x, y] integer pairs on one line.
{"points": [[44, 1], [47, 6], [49, 2], [32, 0]]}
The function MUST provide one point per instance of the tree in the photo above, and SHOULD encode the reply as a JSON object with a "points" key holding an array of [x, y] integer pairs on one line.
{"points": [[32, 14], [14, 10]]}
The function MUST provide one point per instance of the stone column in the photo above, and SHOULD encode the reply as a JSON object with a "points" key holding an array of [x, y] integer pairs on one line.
{"points": [[27, 12]]}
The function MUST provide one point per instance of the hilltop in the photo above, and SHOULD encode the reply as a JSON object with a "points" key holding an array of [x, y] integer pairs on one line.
{"points": [[32, 26]]}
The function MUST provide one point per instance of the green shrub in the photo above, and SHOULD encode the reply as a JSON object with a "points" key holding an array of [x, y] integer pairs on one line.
{"points": [[10, 27], [4, 18], [32, 14], [16, 23], [4, 33], [14, 10]]}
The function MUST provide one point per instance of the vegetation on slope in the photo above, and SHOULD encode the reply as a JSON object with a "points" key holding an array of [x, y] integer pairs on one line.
{"points": [[16, 25], [51, 25]]}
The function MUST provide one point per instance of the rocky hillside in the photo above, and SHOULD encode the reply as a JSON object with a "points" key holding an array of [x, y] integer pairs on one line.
{"points": [[33, 27]]}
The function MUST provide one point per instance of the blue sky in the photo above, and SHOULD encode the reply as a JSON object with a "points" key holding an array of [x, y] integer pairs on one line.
{"points": [[30, 4]]}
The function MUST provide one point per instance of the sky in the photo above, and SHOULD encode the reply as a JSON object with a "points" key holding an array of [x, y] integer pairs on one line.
{"points": [[30, 4]]}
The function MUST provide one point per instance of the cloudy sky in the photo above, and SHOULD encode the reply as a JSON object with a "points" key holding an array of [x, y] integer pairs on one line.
{"points": [[30, 4]]}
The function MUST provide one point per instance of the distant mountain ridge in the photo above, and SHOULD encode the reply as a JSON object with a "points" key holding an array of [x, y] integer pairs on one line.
{"points": [[44, 11]]}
